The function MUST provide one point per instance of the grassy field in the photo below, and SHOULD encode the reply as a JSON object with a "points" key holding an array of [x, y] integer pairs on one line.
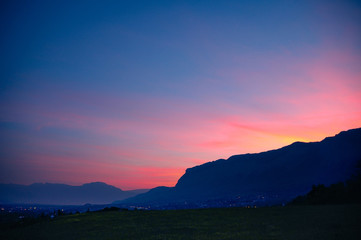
{"points": [[292, 222]]}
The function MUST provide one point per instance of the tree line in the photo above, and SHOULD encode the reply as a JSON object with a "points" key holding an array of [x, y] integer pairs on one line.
{"points": [[348, 192]]}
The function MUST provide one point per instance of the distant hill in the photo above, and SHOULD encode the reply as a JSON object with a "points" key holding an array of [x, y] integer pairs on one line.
{"points": [[62, 194], [278, 174]]}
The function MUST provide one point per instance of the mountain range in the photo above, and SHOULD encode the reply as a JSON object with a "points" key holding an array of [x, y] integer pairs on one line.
{"points": [[280, 174], [62, 194], [269, 177]]}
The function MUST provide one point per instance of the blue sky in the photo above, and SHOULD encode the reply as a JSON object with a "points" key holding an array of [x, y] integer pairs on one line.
{"points": [[134, 92]]}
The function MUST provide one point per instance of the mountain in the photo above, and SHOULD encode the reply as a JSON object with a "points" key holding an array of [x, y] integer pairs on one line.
{"points": [[277, 175], [62, 194]]}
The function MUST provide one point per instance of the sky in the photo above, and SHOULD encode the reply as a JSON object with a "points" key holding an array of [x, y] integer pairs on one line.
{"points": [[132, 93]]}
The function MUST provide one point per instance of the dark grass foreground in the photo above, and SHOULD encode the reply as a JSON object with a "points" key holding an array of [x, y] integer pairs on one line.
{"points": [[292, 222]]}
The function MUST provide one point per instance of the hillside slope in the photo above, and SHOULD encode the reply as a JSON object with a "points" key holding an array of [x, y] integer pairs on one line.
{"points": [[285, 172]]}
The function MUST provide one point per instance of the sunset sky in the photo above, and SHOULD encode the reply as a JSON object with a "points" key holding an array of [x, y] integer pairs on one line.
{"points": [[132, 93]]}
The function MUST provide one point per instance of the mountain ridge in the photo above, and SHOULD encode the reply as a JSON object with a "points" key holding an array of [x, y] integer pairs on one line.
{"points": [[287, 172], [63, 194]]}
